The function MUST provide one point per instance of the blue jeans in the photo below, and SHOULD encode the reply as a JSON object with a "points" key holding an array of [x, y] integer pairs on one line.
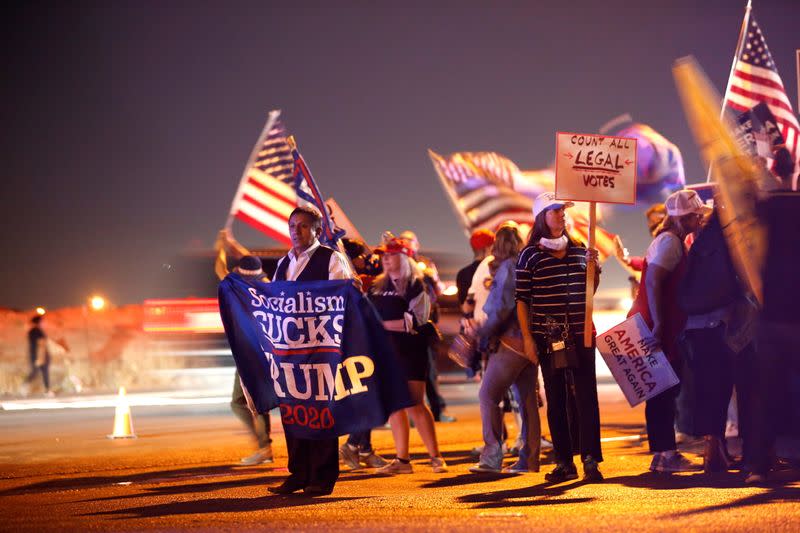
{"points": [[504, 369]]}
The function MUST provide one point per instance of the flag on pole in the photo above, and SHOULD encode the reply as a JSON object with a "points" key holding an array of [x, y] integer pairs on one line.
{"points": [[487, 189], [266, 195], [483, 188], [755, 79], [307, 191]]}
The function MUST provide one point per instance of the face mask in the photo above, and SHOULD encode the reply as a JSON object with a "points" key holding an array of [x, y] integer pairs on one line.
{"points": [[554, 244]]}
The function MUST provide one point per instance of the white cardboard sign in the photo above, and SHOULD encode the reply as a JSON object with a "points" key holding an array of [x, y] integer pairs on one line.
{"points": [[595, 168], [639, 372]]}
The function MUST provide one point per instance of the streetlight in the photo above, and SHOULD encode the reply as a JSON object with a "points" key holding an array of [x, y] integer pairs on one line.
{"points": [[41, 311], [98, 303]]}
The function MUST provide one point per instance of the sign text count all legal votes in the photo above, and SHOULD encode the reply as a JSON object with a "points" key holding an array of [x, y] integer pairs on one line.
{"points": [[595, 168]]}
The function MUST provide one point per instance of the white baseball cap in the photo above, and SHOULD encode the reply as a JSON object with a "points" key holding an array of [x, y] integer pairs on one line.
{"points": [[547, 200], [684, 202]]}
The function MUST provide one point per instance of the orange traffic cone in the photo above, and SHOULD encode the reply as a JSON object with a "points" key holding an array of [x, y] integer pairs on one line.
{"points": [[123, 424]]}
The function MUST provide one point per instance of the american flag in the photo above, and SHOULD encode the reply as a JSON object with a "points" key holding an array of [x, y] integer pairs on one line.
{"points": [[487, 189], [267, 195], [755, 79]]}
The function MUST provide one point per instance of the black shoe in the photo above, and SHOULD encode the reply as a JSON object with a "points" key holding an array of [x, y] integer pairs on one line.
{"points": [[287, 487], [317, 490], [562, 472], [591, 472]]}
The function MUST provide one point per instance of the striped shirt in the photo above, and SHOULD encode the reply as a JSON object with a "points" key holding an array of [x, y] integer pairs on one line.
{"points": [[553, 287]]}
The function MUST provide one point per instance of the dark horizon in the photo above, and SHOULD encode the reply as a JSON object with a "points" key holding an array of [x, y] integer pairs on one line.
{"points": [[127, 125]]}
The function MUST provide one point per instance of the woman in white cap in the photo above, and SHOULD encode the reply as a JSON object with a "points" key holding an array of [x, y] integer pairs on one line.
{"points": [[664, 267], [551, 297]]}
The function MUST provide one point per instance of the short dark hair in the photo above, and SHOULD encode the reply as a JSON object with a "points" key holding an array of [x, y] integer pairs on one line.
{"points": [[311, 213], [36, 319], [354, 247]]}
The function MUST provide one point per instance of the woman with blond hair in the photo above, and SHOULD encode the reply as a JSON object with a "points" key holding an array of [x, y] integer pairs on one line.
{"points": [[400, 298], [507, 365]]}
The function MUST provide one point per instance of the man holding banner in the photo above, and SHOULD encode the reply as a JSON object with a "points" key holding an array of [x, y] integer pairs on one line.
{"points": [[313, 465], [315, 349]]}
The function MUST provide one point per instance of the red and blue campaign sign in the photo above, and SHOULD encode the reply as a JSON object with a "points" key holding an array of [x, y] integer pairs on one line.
{"points": [[316, 350]]}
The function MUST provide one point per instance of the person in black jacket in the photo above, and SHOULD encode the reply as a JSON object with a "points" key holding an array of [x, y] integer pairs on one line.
{"points": [[39, 354], [313, 464], [717, 343], [778, 343]]}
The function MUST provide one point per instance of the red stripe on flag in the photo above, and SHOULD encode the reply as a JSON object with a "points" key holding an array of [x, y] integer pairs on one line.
{"points": [[759, 80], [761, 97], [266, 208], [264, 229], [273, 192]]}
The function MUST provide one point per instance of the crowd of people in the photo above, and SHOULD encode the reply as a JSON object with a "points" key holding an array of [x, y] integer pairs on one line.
{"points": [[523, 304]]}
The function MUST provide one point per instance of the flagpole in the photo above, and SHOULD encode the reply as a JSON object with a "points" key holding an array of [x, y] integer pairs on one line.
{"points": [[450, 195], [736, 55], [271, 118]]}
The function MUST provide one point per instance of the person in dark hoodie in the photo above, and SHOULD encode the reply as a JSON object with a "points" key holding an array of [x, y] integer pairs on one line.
{"points": [[718, 343]]}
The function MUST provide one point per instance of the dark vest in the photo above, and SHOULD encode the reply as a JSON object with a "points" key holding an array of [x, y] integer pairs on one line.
{"points": [[315, 270]]}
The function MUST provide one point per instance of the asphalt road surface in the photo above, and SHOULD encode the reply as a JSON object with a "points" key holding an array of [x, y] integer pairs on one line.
{"points": [[59, 472]]}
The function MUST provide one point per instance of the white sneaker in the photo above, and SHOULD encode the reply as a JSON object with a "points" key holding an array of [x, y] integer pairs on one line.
{"points": [[349, 456], [676, 462], [517, 468], [396, 467], [438, 465], [483, 468], [262, 455], [372, 460]]}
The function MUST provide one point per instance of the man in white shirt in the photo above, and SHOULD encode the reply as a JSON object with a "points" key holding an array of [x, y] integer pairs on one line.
{"points": [[313, 464]]}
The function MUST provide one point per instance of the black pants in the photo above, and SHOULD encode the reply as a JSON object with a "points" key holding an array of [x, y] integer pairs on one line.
{"points": [[45, 370], [715, 369], [777, 364], [362, 440], [312, 461], [659, 413], [556, 383]]}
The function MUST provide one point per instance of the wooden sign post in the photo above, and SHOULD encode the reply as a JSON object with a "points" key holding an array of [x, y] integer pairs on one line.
{"points": [[594, 168]]}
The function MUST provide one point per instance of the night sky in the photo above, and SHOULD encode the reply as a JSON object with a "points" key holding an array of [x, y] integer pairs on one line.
{"points": [[126, 125]]}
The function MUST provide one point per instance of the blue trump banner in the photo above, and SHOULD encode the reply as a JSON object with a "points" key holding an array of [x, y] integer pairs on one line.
{"points": [[316, 350]]}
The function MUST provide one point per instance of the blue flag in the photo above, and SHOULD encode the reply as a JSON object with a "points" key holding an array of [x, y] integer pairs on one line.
{"points": [[317, 350], [307, 189]]}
